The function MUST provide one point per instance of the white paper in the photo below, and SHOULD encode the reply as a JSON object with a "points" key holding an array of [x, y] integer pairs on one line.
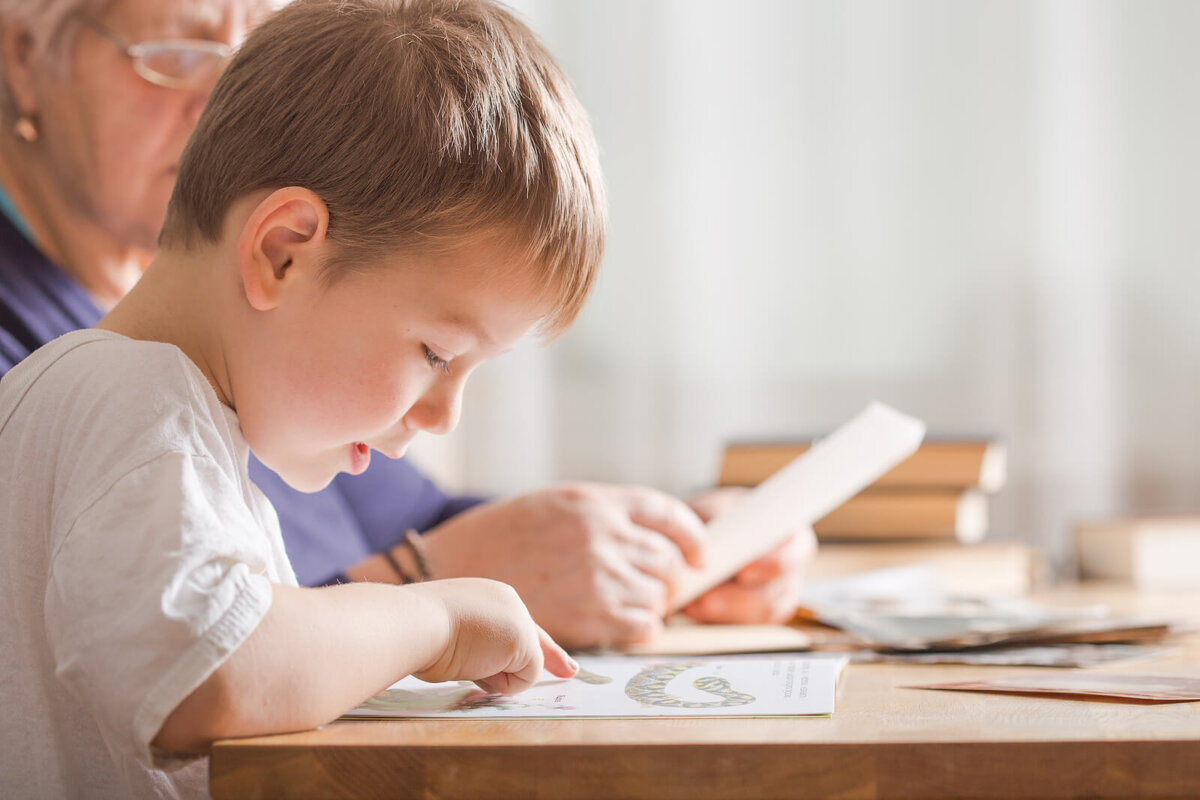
{"points": [[831, 472], [730, 686], [917, 581], [686, 638]]}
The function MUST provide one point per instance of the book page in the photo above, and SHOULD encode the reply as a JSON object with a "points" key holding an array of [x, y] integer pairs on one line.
{"points": [[835, 469], [618, 686]]}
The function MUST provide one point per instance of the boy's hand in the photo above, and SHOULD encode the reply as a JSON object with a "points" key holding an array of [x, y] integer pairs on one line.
{"points": [[490, 639], [596, 564], [556, 662]]}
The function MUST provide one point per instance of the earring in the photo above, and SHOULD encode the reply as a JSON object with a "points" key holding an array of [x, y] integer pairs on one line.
{"points": [[26, 129]]}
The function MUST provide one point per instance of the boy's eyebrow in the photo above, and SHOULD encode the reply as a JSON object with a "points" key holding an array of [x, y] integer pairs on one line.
{"points": [[469, 326]]}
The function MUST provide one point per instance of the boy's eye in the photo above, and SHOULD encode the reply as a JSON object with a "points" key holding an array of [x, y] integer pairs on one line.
{"points": [[436, 361]]}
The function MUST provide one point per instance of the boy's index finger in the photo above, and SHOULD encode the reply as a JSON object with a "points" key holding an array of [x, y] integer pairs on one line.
{"points": [[671, 517], [555, 658]]}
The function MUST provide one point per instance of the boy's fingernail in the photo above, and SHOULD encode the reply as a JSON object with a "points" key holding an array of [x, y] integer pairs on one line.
{"points": [[572, 663]]}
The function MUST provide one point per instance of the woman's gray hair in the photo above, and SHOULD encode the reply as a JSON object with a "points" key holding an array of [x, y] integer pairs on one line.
{"points": [[48, 21]]}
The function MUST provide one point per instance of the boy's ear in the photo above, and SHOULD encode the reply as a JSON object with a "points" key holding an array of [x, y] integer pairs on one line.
{"points": [[282, 241]]}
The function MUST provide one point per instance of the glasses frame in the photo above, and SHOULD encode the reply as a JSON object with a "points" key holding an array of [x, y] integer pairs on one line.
{"points": [[137, 52]]}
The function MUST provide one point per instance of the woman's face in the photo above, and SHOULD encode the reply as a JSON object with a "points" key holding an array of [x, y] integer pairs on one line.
{"points": [[113, 139]]}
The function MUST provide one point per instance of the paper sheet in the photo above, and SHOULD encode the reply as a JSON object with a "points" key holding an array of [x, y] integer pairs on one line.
{"points": [[830, 473], [732, 686]]}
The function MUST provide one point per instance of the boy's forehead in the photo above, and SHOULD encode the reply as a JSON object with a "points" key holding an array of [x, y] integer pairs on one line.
{"points": [[479, 294], [495, 258]]}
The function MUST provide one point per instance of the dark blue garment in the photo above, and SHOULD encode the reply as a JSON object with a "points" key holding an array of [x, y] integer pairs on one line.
{"points": [[38, 301], [326, 532]]}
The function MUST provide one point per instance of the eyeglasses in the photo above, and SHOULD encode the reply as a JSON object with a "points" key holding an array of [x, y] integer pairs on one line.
{"points": [[173, 63]]}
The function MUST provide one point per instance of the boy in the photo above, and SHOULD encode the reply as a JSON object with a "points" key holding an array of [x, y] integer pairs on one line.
{"points": [[379, 196]]}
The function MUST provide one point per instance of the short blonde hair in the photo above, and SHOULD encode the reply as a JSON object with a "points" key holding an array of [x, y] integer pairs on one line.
{"points": [[419, 123]]}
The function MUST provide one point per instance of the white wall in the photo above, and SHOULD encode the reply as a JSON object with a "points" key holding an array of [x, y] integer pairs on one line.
{"points": [[984, 213]]}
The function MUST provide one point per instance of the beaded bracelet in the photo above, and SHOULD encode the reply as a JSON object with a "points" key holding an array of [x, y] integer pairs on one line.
{"points": [[400, 573], [411, 538]]}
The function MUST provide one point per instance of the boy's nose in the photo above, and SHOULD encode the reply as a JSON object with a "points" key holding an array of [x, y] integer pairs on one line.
{"points": [[438, 411]]}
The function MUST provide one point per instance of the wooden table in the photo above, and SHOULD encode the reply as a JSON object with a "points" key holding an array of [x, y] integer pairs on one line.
{"points": [[883, 742]]}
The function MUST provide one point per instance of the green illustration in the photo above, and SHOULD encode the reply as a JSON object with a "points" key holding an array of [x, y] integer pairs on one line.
{"points": [[649, 687], [591, 677]]}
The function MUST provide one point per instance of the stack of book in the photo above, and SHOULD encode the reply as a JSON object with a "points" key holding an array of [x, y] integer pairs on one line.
{"points": [[1149, 552], [925, 508], [939, 492]]}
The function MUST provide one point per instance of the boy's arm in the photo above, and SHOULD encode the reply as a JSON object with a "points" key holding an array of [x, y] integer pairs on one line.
{"points": [[318, 652]]}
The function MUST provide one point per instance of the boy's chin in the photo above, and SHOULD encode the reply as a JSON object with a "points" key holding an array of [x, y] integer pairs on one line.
{"points": [[306, 481]]}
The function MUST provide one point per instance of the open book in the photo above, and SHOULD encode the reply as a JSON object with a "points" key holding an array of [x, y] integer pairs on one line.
{"points": [[625, 686]]}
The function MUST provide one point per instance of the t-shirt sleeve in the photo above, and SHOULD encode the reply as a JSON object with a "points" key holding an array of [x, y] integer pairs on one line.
{"points": [[152, 586]]}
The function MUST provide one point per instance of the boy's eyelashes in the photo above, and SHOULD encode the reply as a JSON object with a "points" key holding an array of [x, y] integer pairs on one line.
{"points": [[436, 361]]}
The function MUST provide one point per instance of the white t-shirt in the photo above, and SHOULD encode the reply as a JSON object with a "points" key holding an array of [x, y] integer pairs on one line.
{"points": [[135, 556]]}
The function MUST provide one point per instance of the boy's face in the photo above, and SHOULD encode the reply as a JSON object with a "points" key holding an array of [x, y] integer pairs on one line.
{"points": [[367, 363]]}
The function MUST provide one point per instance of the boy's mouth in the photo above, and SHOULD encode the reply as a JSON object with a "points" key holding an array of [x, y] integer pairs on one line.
{"points": [[360, 458]]}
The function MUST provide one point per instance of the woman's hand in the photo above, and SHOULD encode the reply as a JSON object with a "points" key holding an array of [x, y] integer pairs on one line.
{"points": [[764, 591], [595, 564]]}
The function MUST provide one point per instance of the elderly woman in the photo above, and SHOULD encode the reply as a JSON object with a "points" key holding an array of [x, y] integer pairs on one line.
{"points": [[97, 100]]}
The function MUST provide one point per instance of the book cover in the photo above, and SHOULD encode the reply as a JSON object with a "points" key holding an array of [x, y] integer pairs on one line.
{"points": [[947, 463]]}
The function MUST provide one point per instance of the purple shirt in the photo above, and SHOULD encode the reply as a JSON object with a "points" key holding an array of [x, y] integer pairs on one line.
{"points": [[325, 532]]}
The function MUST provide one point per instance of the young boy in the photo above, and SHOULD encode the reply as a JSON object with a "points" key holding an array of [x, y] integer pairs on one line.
{"points": [[380, 196]]}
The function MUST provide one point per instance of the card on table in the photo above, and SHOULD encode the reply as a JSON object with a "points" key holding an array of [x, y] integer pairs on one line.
{"points": [[1057, 655], [1157, 688], [835, 469]]}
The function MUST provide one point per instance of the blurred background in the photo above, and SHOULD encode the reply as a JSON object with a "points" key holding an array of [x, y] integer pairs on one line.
{"points": [[982, 212]]}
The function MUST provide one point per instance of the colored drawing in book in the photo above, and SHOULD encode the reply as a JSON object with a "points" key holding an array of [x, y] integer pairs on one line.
{"points": [[622, 686], [651, 687]]}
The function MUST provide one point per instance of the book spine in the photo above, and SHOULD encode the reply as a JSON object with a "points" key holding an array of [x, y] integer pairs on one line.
{"points": [[914, 514], [952, 464]]}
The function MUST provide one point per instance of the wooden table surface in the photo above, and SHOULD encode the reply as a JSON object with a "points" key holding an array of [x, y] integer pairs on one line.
{"points": [[883, 742]]}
